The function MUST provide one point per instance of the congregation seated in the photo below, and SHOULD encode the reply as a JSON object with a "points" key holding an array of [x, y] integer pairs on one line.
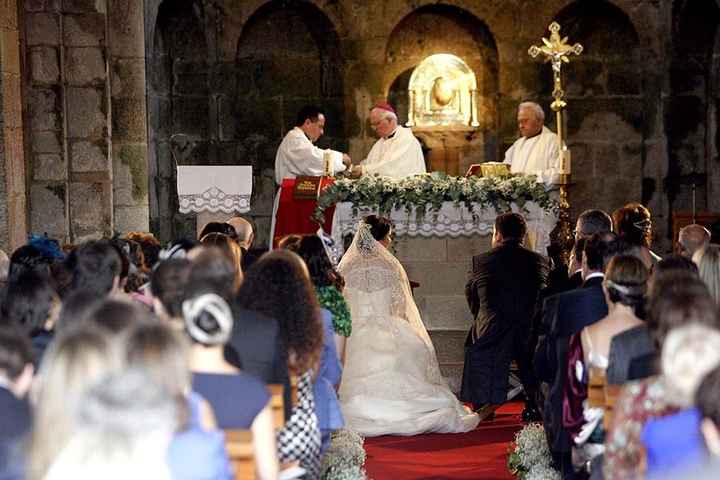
{"points": [[678, 299], [33, 305], [633, 353], [16, 374], [336, 328], [131, 418], [197, 450], [633, 224], [238, 400], [278, 286], [708, 261], [674, 442], [624, 287]]}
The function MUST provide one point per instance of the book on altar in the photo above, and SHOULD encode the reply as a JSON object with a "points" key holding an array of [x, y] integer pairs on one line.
{"points": [[488, 169], [307, 187]]}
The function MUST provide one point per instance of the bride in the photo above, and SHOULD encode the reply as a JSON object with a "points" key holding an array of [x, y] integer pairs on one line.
{"points": [[391, 382]]}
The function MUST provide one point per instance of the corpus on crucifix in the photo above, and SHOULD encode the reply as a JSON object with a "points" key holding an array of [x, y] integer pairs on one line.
{"points": [[557, 51]]}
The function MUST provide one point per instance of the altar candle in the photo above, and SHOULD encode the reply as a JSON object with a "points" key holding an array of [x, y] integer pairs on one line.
{"points": [[328, 163], [565, 164]]}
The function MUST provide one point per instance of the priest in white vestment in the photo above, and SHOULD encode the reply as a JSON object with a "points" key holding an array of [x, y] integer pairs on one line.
{"points": [[297, 154], [397, 154], [536, 151]]}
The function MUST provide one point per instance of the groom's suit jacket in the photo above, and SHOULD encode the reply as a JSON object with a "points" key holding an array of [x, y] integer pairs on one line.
{"points": [[502, 294]]}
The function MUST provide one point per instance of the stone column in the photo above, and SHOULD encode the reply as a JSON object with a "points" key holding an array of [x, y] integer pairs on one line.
{"points": [[126, 34], [13, 218], [87, 126]]}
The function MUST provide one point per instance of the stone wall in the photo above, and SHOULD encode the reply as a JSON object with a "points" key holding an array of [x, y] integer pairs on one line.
{"points": [[13, 207], [233, 90], [225, 78], [86, 117]]}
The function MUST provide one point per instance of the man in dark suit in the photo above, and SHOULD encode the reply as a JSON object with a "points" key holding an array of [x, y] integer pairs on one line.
{"points": [[502, 294], [564, 315], [16, 373]]}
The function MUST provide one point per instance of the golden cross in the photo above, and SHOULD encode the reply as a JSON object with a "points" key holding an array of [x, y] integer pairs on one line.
{"points": [[556, 50]]}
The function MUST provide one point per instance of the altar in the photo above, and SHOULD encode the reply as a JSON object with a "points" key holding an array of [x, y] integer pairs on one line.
{"points": [[437, 251]]}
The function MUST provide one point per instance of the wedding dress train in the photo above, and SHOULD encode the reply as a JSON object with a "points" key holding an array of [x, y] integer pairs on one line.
{"points": [[391, 379]]}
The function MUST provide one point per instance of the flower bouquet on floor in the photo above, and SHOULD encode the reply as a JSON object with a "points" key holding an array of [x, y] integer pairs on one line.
{"points": [[529, 455], [345, 457]]}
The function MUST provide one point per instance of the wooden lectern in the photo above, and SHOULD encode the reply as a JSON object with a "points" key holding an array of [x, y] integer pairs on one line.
{"points": [[214, 193]]}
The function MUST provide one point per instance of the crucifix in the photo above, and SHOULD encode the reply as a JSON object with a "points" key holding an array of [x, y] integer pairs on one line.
{"points": [[557, 51]]}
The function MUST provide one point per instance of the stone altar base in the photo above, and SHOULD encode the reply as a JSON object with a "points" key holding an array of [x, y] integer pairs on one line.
{"points": [[442, 265]]}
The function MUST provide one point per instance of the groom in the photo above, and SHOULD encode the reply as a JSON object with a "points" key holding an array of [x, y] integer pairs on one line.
{"points": [[502, 294]]}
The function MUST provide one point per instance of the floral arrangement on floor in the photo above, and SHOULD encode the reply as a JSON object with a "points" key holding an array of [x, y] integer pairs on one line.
{"points": [[345, 457], [430, 190], [529, 457]]}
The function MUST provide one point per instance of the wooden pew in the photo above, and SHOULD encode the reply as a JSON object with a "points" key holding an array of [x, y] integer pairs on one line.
{"points": [[239, 447], [612, 392], [277, 405], [596, 388]]}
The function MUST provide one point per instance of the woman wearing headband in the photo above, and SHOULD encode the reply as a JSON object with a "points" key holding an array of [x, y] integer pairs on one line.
{"points": [[239, 400]]}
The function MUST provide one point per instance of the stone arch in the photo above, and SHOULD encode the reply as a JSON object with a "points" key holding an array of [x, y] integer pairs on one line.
{"points": [[441, 28], [288, 55], [179, 107], [692, 118], [607, 119]]}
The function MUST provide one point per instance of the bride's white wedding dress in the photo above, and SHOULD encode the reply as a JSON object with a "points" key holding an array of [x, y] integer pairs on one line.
{"points": [[391, 379]]}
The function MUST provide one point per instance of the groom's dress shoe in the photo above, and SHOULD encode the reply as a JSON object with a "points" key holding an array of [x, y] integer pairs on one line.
{"points": [[486, 412]]}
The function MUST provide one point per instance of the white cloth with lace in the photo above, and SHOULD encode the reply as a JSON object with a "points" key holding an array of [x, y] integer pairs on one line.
{"points": [[391, 380]]}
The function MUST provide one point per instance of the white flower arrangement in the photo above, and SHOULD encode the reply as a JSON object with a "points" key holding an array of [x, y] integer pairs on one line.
{"points": [[428, 192], [345, 457], [530, 457]]}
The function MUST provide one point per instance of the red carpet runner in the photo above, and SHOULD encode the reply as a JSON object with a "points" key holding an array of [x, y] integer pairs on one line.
{"points": [[480, 454]]}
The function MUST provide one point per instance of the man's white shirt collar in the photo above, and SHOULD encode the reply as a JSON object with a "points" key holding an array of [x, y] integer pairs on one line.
{"points": [[594, 275]]}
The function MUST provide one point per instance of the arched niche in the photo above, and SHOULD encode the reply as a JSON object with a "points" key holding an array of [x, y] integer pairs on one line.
{"points": [[435, 29], [691, 122], [439, 28], [607, 116], [288, 55], [178, 107]]}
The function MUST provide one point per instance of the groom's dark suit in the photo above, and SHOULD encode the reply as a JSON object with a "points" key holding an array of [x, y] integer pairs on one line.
{"points": [[502, 294]]}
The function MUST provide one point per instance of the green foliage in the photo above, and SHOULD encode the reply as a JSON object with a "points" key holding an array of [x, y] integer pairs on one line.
{"points": [[427, 192]]}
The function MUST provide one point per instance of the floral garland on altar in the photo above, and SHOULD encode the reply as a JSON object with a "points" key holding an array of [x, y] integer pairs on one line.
{"points": [[421, 192]]}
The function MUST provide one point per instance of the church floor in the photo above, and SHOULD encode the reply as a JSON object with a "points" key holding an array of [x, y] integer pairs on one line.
{"points": [[480, 454]]}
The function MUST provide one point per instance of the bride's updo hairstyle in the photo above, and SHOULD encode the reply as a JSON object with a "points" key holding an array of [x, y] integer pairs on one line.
{"points": [[278, 286], [379, 226], [626, 282]]}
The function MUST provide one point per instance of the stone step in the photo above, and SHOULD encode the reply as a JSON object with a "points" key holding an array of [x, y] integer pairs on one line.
{"points": [[450, 350]]}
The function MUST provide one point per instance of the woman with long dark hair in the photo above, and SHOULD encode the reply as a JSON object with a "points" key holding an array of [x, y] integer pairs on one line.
{"points": [[278, 286]]}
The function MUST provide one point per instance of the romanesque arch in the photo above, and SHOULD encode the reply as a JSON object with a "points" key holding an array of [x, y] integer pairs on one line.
{"points": [[288, 55]]}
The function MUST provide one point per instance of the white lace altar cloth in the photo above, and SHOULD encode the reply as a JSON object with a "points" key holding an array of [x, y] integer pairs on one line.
{"points": [[210, 188], [449, 221]]}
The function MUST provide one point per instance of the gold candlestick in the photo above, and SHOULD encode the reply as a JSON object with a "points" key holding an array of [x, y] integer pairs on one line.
{"points": [[557, 51]]}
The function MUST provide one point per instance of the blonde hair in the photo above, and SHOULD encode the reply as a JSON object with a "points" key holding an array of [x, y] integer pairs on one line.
{"points": [[688, 353], [709, 269], [73, 362], [231, 249]]}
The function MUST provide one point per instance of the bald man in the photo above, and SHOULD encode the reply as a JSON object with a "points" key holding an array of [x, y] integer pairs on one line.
{"points": [[692, 238], [244, 230]]}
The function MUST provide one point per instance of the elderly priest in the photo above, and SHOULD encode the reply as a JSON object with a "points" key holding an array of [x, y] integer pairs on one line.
{"points": [[397, 153], [536, 151]]}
